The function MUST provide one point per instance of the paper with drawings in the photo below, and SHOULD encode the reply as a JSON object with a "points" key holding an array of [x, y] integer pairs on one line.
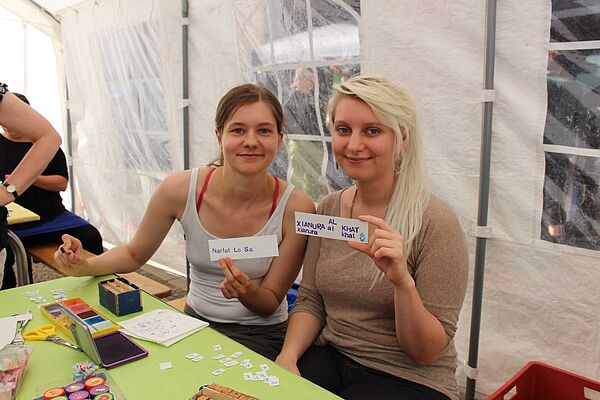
{"points": [[164, 327]]}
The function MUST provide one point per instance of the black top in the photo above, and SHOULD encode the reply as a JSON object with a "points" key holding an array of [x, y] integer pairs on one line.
{"points": [[43, 202]]}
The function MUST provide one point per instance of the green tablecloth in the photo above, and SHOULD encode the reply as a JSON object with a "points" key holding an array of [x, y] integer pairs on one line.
{"points": [[143, 379]]}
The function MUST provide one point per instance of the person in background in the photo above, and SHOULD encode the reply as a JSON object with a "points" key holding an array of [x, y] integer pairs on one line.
{"points": [[23, 120], [244, 299], [377, 320], [305, 157], [43, 198]]}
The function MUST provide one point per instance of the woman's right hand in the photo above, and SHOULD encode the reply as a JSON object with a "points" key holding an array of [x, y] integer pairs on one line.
{"points": [[69, 257], [287, 363]]}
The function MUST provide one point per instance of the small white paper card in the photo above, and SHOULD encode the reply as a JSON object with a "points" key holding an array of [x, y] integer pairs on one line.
{"points": [[243, 247], [166, 365], [350, 230]]}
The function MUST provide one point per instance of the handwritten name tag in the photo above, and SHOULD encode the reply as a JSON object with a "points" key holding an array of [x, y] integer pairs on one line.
{"points": [[243, 247], [326, 226]]}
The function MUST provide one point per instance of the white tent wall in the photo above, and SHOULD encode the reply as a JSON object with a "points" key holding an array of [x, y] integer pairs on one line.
{"points": [[214, 68], [35, 16], [46, 23], [123, 62], [540, 299]]}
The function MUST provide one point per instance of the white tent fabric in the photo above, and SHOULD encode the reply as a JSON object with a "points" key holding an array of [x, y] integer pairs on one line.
{"points": [[124, 76], [540, 299]]}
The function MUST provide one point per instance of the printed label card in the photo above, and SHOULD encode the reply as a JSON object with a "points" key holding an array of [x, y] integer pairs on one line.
{"points": [[350, 230], [243, 247]]}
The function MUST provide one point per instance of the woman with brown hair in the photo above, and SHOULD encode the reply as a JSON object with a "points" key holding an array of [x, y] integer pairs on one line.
{"points": [[244, 299]]}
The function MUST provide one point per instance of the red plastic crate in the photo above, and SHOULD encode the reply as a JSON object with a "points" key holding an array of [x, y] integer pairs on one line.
{"points": [[539, 381]]}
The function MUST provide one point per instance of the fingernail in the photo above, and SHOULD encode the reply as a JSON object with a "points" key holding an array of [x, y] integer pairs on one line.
{"points": [[62, 250]]}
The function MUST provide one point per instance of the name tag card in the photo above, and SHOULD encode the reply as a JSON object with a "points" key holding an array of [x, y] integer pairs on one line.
{"points": [[243, 247], [350, 230]]}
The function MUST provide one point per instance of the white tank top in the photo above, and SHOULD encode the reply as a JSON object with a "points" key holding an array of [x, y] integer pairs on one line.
{"points": [[204, 296]]}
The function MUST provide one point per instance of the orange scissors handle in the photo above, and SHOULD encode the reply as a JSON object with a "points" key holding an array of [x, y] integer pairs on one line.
{"points": [[40, 333]]}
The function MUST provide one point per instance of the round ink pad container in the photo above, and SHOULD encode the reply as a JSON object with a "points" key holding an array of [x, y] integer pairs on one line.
{"points": [[95, 381], [53, 393], [74, 387], [104, 396], [80, 395], [100, 389]]}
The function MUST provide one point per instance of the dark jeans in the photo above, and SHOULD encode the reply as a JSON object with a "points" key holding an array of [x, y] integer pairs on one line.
{"points": [[333, 371], [266, 340], [88, 234]]}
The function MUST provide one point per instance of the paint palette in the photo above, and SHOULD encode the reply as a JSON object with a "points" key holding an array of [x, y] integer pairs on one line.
{"points": [[99, 324]]}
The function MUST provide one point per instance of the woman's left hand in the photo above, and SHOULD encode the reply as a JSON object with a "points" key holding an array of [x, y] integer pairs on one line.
{"points": [[386, 248], [236, 283]]}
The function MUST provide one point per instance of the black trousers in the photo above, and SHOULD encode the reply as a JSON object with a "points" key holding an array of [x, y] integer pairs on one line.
{"points": [[266, 340], [333, 371], [88, 234]]}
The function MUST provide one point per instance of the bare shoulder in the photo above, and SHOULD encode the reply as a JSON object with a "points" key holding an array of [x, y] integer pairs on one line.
{"points": [[175, 186], [203, 172]]}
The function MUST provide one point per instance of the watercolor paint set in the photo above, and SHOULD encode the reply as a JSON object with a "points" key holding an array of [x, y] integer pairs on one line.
{"points": [[120, 296], [106, 349], [98, 323]]}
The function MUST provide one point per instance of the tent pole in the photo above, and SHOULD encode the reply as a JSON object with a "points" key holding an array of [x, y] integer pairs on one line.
{"points": [[42, 9], [484, 192], [70, 146], [186, 117], [184, 62]]}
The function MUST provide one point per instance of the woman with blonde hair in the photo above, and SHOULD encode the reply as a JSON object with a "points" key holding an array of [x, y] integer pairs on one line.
{"points": [[243, 299], [377, 320]]}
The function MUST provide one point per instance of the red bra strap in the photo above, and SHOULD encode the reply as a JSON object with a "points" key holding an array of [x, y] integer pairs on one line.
{"points": [[204, 188], [205, 185], [275, 196]]}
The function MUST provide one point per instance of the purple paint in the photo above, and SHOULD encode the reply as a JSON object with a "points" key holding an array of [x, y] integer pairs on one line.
{"points": [[96, 390], [80, 395], [74, 387]]}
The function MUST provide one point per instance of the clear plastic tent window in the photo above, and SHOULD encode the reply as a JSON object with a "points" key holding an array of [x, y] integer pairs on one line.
{"points": [[299, 53], [571, 209]]}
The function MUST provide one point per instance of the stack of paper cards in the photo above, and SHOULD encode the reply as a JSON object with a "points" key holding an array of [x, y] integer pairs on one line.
{"points": [[164, 327]]}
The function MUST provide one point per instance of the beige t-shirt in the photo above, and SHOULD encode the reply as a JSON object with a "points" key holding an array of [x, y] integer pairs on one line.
{"points": [[358, 317]]}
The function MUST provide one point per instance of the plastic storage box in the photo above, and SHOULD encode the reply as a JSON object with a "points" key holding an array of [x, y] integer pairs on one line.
{"points": [[539, 381]]}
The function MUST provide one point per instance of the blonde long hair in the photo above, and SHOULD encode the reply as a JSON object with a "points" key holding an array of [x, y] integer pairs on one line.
{"points": [[394, 107]]}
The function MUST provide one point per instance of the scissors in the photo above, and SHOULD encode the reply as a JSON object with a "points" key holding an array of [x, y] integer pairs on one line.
{"points": [[47, 332]]}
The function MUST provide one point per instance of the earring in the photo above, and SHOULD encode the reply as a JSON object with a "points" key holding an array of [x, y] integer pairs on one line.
{"points": [[398, 169]]}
